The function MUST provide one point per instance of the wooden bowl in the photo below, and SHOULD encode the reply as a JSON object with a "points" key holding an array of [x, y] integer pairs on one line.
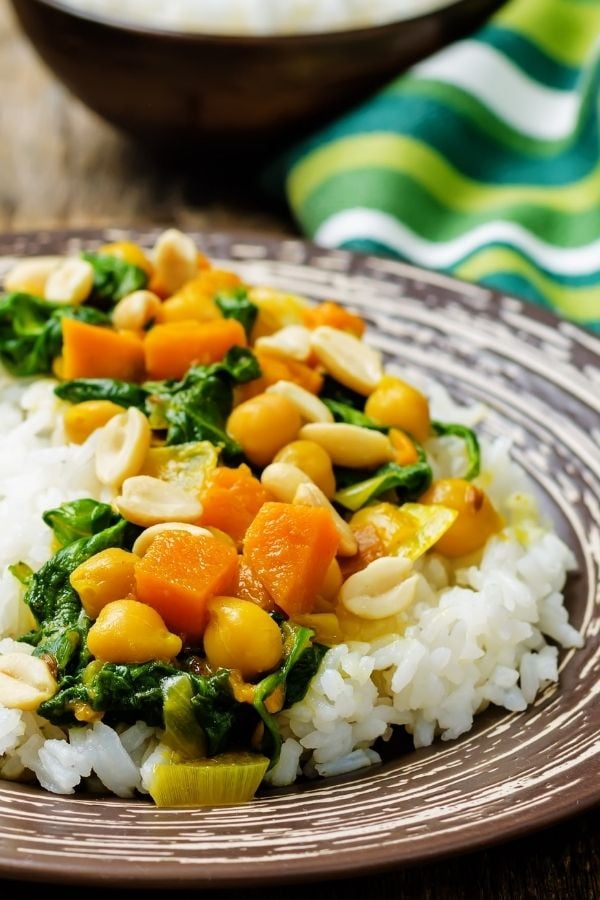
{"points": [[175, 89]]}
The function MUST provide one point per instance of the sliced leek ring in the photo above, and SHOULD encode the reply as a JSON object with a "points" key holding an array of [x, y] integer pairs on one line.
{"points": [[222, 780], [409, 530]]}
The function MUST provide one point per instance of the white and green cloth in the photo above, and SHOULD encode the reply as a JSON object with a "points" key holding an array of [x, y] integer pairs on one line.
{"points": [[483, 161]]}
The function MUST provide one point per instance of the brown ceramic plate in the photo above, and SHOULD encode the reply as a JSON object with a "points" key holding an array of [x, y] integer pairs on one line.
{"points": [[513, 773]]}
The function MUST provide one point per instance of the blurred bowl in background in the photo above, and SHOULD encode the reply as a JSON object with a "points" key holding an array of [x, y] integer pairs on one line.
{"points": [[179, 90]]}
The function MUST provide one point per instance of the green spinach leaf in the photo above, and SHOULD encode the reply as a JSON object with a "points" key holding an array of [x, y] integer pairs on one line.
{"points": [[123, 393], [197, 407], [297, 642], [61, 623], [236, 304], [342, 412], [113, 279], [471, 444], [409, 482], [79, 519]]}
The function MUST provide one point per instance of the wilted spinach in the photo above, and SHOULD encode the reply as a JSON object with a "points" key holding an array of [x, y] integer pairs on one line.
{"points": [[471, 444], [197, 407], [123, 393], [113, 279], [193, 408], [236, 304], [342, 412], [301, 661], [79, 519], [408, 482], [62, 625]]}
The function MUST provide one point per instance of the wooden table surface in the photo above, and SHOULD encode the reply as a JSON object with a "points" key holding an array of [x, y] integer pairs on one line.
{"points": [[61, 166]]}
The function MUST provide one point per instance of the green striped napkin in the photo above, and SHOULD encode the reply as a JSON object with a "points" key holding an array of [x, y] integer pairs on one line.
{"points": [[483, 161]]}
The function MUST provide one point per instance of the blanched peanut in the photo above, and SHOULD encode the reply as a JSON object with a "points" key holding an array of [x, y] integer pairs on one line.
{"points": [[127, 631], [395, 402], [283, 480], [25, 681], [30, 275], [122, 447], [147, 501], [240, 635], [70, 282], [292, 342], [148, 535], [135, 311], [82, 419], [310, 495], [381, 589], [175, 259], [310, 407], [104, 577], [263, 425], [350, 445], [312, 459], [349, 360]]}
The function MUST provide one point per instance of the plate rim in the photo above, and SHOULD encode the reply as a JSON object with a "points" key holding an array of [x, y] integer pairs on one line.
{"points": [[294, 870]]}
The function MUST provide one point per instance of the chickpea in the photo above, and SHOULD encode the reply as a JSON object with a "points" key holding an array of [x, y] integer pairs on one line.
{"points": [[104, 577], [263, 425], [127, 631], [83, 419], [477, 519], [240, 635], [400, 405], [313, 460]]}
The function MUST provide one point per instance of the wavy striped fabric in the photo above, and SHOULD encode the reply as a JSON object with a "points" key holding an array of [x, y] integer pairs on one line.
{"points": [[483, 161]]}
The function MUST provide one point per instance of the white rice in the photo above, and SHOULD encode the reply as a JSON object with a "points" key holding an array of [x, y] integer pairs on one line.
{"points": [[478, 639], [258, 17], [477, 635]]}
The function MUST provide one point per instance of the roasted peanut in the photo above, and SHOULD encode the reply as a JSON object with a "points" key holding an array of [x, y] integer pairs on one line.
{"points": [[175, 259], [310, 407], [147, 501], [70, 282], [350, 445], [25, 681], [384, 588], [122, 447], [30, 275], [292, 342], [135, 311], [351, 361]]}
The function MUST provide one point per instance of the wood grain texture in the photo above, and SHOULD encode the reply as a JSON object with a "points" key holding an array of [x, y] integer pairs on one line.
{"points": [[61, 166]]}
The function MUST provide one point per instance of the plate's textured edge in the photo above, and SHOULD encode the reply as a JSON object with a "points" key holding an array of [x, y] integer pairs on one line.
{"points": [[540, 378]]}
